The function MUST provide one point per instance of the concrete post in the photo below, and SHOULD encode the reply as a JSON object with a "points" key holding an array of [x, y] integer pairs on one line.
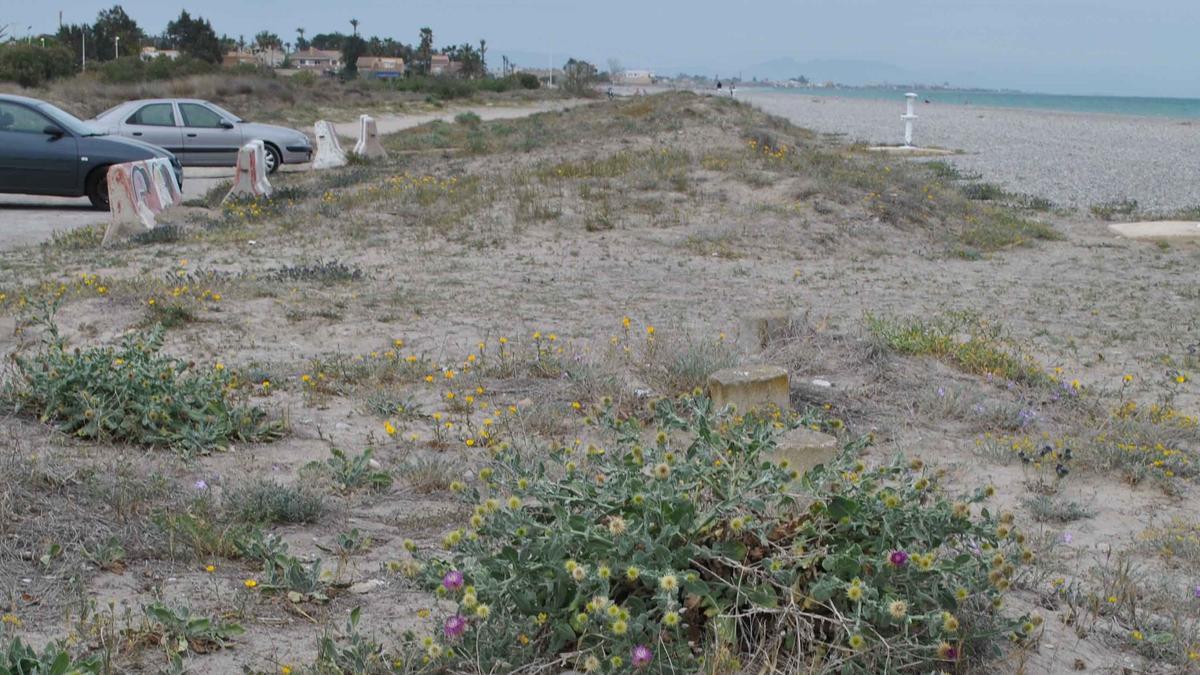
{"points": [[908, 118]]}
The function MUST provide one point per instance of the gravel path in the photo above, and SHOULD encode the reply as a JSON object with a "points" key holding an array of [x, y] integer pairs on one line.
{"points": [[1073, 159]]}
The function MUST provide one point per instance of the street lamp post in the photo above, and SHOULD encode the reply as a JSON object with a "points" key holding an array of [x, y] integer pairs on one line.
{"points": [[116, 47]]}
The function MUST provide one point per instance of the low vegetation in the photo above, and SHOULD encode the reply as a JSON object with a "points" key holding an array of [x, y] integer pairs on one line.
{"points": [[485, 350]]}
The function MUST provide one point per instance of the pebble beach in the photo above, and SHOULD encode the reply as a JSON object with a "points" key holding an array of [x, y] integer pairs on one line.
{"points": [[1072, 159]]}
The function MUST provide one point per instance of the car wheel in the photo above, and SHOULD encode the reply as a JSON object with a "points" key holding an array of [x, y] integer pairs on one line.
{"points": [[274, 159], [97, 188]]}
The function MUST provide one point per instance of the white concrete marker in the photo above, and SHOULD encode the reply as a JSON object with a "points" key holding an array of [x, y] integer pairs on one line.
{"points": [[908, 118], [368, 144], [329, 150], [250, 173]]}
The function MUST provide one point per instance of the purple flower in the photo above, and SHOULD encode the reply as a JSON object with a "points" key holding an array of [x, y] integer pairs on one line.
{"points": [[941, 392], [952, 654], [642, 656], [1067, 537], [201, 485], [453, 580], [898, 558], [455, 626], [1197, 592]]}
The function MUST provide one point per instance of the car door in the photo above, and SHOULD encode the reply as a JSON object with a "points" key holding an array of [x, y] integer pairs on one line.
{"points": [[32, 160], [208, 138], [155, 123]]}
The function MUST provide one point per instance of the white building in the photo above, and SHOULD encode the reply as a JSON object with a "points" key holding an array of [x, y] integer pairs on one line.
{"points": [[150, 53], [635, 77]]}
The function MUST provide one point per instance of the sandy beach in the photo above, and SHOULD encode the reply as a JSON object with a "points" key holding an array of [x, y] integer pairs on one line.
{"points": [[1073, 159]]}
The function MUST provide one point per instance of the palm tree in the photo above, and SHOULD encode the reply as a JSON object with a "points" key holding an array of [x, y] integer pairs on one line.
{"points": [[300, 42], [354, 22]]}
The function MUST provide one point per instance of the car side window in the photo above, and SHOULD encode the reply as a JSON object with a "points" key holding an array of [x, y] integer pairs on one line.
{"points": [[196, 115], [154, 115], [20, 119]]}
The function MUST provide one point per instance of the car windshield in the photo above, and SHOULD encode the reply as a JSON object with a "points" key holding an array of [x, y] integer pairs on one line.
{"points": [[69, 122], [224, 112]]}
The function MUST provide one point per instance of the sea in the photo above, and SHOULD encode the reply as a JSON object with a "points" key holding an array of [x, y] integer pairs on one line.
{"points": [[1187, 108]]}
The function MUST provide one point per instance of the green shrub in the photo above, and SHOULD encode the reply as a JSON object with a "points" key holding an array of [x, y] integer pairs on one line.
{"points": [[528, 81], [30, 66], [696, 546], [179, 631], [134, 69], [468, 118], [265, 501], [960, 340], [132, 393], [1114, 208], [18, 658]]}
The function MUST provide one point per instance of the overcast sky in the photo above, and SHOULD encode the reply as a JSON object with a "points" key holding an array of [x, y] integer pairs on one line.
{"points": [[1128, 47]]}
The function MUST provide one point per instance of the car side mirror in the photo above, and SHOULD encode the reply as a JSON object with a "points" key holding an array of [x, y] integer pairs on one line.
{"points": [[226, 124], [53, 130]]}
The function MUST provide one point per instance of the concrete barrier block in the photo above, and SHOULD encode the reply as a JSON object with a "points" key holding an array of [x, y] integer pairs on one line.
{"points": [[755, 388], [803, 448], [250, 173], [329, 149], [368, 144], [137, 192]]}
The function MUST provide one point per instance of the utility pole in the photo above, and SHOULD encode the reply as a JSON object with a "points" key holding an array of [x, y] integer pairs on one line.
{"points": [[83, 47]]}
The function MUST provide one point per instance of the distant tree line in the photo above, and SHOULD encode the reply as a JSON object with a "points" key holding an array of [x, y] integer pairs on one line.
{"points": [[113, 43]]}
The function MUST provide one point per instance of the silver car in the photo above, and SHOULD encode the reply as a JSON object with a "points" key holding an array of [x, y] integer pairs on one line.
{"points": [[200, 133]]}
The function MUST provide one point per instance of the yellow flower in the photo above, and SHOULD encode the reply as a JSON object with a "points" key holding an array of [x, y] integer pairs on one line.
{"points": [[671, 619], [857, 641], [285, 670], [219, 367], [949, 622], [662, 471], [483, 611], [619, 627], [389, 428], [668, 582], [250, 583], [1127, 378], [650, 331], [898, 609], [854, 593], [1137, 636], [11, 619], [632, 573], [210, 568]]}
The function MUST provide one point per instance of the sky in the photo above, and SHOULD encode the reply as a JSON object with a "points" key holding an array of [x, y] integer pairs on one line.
{"points": [[1121, 47]]}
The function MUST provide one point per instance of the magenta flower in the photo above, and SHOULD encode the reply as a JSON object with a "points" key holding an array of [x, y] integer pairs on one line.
{"points": [[455, 626], [1196, 591], [453, 580], [899, 558], [952, 654], [642, 656]]}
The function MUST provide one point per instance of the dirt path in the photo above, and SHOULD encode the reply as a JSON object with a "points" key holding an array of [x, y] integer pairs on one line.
{"points": [[26, 219]]}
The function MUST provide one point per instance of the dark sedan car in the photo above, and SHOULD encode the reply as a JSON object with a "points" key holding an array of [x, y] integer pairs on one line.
{"points": [[45, 150]]}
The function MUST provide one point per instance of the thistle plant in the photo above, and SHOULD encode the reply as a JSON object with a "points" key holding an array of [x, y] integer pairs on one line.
{"points": [[134, 394], [668, 547]]}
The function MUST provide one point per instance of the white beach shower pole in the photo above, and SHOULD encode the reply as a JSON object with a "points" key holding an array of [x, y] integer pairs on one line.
{"points": [[908, 118]]}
